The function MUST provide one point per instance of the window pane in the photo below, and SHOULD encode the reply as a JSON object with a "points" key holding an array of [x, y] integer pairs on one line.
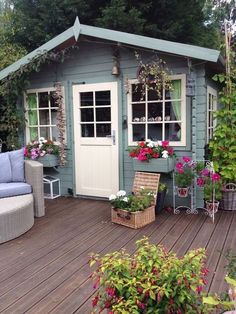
{"points": [[55, 133], [33, 117], [103, 98], [43, 100], [138, 132], [53, 99], [103, 114], [44, 132], [103, 130], [86, 99], [54, 116], [87, 115], [33, 133], [44, 117], [32, 101], [153, 94], [173, 132], [155, 112], [138, 92], [172, 111], [138, 112], [155, 131], [87, 130]]}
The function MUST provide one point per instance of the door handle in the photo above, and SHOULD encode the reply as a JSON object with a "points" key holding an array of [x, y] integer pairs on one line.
{"points": [[113, 137]]}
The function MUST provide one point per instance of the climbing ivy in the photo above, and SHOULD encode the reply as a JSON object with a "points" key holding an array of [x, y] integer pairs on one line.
{"points": [[12, 120]]}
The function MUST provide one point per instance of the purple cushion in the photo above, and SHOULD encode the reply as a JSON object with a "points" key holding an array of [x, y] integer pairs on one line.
{"points": [[17, 165], [5, 168], [14, 189]]}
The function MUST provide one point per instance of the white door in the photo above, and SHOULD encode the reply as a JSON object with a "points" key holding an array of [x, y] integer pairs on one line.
{"points": [[96, 139]]}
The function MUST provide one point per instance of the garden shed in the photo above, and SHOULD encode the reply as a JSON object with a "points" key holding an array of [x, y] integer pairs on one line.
{"points": [[104, 109]]}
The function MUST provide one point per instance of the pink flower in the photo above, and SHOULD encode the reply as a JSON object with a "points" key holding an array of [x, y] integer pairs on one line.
{"points": [[200, 181], [142, 156], [215, 177], [111, 292], [179, 166], [199, 289], [165, 143], [170, 150], [186, 159], [205, 172]]}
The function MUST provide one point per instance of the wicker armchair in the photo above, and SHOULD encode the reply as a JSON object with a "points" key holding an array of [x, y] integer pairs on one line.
{"points": [[34, 177]]}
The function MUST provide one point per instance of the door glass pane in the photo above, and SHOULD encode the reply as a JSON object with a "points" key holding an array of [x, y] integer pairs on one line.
{"points": [[173, 132], [138, 132], [33, 117], [87, 115], [172, 111], [43, 100], [44, 117], [33, 133], [86, 99], [103, 114], [87, 130], [155, 111], [44, 132], [137, 92], [103, 98], [155, 131], [103, 129], [138, 112]]}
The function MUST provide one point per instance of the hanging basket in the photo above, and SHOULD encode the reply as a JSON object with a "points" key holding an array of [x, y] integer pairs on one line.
{"points": [[229, 197], [212, 207], [182, 192]]}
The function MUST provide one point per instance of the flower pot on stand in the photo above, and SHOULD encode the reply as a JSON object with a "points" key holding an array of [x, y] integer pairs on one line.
{"points": [[48, 160], [212, 207], [182, 191]]}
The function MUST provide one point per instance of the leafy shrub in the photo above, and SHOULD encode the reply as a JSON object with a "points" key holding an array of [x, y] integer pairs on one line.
{"points": [[151, 281]]}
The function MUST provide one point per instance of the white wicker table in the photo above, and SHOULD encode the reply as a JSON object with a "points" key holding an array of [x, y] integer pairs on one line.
{"points": [[16, 216]]}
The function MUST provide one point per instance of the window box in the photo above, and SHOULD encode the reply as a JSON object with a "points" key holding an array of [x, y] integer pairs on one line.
{"points": [[48, 160], [159, 165]]}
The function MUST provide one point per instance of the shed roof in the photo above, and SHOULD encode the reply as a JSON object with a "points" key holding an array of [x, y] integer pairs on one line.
{"points": [[78, 29]]}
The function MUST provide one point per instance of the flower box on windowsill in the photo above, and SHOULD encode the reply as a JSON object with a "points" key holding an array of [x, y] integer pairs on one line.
{"points": [[163, 165], [48, 160], [133, 220]]}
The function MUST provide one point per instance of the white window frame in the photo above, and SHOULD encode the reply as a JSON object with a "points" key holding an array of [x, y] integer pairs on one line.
{"points": [[211, 121], [36, 91], [181, 77]]}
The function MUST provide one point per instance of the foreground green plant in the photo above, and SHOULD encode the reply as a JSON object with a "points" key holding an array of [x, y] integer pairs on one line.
{"points": [[151, 281]]}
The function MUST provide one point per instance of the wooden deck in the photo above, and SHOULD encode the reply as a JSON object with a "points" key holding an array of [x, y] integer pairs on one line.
{"points": [[46, 270]]}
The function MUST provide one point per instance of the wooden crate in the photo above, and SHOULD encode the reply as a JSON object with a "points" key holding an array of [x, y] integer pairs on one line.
{"points": [[133, 220]]}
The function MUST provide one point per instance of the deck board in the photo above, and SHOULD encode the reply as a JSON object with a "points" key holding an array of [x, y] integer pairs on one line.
{"points": [[46, 270]]}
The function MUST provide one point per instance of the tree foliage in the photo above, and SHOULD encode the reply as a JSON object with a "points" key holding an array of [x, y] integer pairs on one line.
{"points": [[34, 22]]}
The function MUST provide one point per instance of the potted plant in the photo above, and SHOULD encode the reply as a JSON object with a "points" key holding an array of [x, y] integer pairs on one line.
{"points": [[134, 211], [153, 157], [162, 190], [184, 174], [212, 185], [44, 151], [152, 280]]}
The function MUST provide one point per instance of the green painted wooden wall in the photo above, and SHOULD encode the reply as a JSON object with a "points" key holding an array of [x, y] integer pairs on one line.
{"points": [[92, 63]]}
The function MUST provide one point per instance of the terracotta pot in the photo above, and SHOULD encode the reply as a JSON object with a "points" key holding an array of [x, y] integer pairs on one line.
{"points": [[212, 207], [182, 192]]}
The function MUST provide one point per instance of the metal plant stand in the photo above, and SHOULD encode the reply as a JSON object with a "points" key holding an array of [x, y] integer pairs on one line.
{"points": [[192, 208]]}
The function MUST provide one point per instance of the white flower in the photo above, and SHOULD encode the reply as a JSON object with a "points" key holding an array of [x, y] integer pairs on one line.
{"points": [[121, 193], [142, 187], [41, 139], [165, 154], [43, 153], [45, 141], [159, 143], [112, 197], [125, 199], [150, 144]]}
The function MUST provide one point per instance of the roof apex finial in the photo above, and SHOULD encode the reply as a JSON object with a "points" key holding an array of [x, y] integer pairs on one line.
{"points": [[76, 28]]}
